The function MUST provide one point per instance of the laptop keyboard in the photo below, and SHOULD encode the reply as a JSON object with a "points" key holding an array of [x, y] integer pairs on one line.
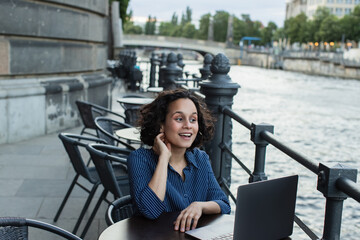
{"points": [[226, 236]]}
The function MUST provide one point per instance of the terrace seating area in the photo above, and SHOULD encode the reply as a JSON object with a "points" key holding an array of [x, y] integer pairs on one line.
{"points": [[35, 176]]}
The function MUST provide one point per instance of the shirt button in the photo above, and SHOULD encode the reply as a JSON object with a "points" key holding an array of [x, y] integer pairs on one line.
{"points": [[185, 195]]}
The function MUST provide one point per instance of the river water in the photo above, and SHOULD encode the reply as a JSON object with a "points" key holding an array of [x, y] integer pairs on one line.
{"points": [[317, 116]]}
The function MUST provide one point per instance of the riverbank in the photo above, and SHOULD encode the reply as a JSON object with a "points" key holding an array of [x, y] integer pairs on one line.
{"points": [[313, 63]]}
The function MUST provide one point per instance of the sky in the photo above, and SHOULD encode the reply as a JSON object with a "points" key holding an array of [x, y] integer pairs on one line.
{"points": [[262, 10]]}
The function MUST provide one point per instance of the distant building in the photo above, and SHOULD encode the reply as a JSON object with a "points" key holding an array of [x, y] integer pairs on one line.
{"points": [[336, 7], [295, 7]]}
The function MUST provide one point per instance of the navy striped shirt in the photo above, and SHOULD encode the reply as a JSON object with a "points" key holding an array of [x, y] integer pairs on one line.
{"points": [[199, 185]]}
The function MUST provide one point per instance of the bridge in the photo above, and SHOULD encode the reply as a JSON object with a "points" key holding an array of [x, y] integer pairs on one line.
{"points": [[201, 46]]}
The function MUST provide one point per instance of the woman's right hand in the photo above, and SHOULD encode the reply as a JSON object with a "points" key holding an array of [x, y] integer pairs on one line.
{"points": [[161, 146]]}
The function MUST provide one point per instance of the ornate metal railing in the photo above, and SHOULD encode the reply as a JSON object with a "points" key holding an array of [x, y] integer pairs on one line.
{"points": [[335, 183]]}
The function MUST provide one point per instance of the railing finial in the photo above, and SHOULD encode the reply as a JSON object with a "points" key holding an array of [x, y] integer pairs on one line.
{"points": [[219, 92]]}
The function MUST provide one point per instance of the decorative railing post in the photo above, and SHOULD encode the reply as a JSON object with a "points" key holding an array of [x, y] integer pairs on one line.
{"points": [[260, 150], [154, 61], [205, 70], [327, 179], [162, 65], [170, 73], [180, 61], [219, 91]]}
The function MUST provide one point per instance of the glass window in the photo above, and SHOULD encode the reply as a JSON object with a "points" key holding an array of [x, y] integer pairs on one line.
{"points": [[347, 10], [357, 1], [339, 1], [338, 11], [330, 1], [348, 1]]}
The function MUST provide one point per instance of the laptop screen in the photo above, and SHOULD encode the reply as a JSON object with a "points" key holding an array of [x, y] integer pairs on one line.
{"points": [[264, 211]]}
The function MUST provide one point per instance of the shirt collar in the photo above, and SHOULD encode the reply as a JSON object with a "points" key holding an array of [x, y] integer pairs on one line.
{"points": [[191, 158]]}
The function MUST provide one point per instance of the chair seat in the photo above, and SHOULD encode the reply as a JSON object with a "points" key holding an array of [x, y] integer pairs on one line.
{"points": [[119, 170]]}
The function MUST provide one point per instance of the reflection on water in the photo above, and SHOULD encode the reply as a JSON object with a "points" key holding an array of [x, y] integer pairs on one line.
{"points": [[318, 116]]}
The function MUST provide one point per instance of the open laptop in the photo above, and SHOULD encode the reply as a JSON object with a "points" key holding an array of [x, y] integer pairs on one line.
{"points": [[265, 210]]}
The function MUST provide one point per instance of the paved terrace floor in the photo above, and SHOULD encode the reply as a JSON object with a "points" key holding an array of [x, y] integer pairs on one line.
{"points": [[34, 177]]}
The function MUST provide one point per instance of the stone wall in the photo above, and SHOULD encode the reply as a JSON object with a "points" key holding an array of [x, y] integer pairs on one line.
{"points": [[52, 52], [318, 67], [308, 65], [258, 59]]}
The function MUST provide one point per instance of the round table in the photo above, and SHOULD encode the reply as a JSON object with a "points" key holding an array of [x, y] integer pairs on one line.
{"points": [[132, 134], [135, 101], [162, 228]]}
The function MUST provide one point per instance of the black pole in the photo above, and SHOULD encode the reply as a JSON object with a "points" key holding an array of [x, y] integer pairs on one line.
{"points": [[219, 91], [333, 215], [260, 150]]}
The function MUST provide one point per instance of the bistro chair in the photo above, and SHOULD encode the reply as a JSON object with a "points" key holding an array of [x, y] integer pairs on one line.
{"points": [[106, 128], [119, 209], [104, 156], [15, 228], [130, 110], [73, 143], [89, 111]]}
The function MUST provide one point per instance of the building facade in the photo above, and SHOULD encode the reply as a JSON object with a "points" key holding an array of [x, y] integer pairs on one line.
{"points": [[52, 53], [339, 8]]}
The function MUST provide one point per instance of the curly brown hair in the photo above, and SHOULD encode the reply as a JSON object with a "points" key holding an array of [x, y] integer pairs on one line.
{"points": [[152, 115]]}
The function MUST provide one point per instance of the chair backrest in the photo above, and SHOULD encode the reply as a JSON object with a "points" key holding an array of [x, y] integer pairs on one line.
{"points": [[102, 157], [86, 114], [106, 127], [89, 111], [72, 143], [120, 209], [17, 228], [132, 115]]}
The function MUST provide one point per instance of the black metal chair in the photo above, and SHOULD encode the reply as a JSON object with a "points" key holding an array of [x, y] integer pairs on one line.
{"points": [[103, 156], [89, 111], [106, 128], [130, 110], [15, 228], [72, 144], [119, 209]]}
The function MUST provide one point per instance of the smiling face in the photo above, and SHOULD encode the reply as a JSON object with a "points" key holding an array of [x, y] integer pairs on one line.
{"points": [[181, 123]]}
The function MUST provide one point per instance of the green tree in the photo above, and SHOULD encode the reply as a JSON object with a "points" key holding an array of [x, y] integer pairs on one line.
{"points": [[186, 18], [188, 30], [350, 25], [329, 30], [279, 34], [296, 28], [239, 30], [267, 33], [314, 27], [174, 19], [176, 31], [220, 25], [130, 28], [252, 28], [166, 28], [204, 23], [150, 26]]}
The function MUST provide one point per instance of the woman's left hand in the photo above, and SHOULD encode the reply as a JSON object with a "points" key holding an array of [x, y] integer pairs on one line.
{"points": [[189, 217]]}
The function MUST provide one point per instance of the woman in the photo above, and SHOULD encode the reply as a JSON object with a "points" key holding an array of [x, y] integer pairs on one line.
{"points": [[174, 175]]}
